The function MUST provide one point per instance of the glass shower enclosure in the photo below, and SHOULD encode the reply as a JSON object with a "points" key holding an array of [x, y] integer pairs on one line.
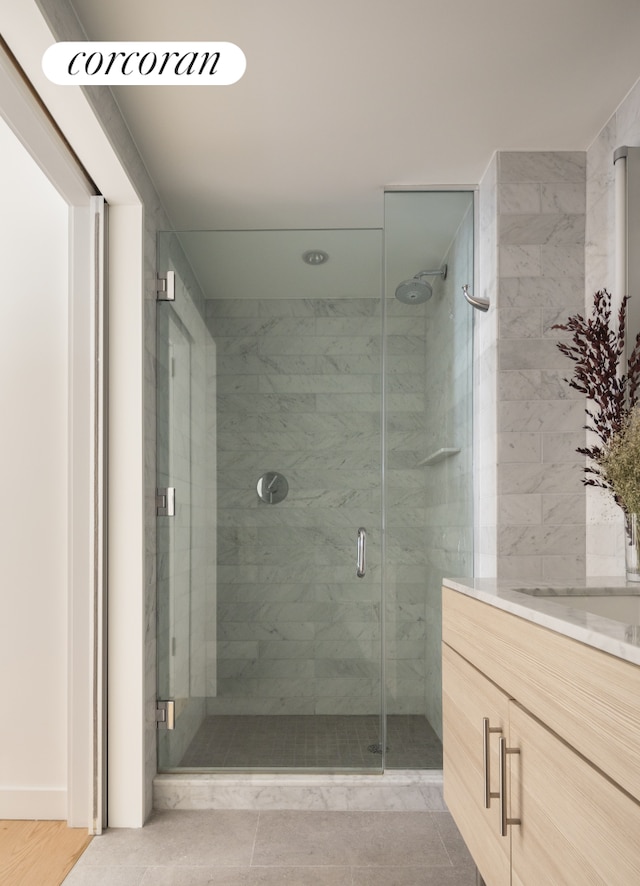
{"points": [[310, 513]]}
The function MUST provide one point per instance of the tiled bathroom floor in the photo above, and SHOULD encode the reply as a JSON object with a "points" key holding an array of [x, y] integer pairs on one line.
{"points": [[313, 741], [272, 848]]}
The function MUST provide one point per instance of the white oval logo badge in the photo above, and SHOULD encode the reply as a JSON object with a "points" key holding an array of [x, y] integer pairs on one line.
{"points": [[144, 64]]}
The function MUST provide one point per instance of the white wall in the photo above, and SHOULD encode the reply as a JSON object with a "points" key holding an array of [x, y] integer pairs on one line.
{"points": [[33, 512]]}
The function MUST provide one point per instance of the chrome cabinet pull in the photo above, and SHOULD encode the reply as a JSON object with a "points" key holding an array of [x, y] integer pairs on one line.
{"points": [[504, 821], [486, 732], [361, 551]]}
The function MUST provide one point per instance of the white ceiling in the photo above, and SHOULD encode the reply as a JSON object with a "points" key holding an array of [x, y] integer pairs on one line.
{"points": [[343, 97], [419, 230], [268, 264]]}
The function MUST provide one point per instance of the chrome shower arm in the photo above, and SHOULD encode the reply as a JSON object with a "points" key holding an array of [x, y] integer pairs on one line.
{"points": [[441, 272]]}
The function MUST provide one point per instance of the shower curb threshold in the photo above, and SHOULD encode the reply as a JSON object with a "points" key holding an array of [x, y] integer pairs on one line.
{"points": [[398, 790]]}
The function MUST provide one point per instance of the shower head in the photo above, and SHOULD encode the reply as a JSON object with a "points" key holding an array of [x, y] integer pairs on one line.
{"points": [[416, 291]]}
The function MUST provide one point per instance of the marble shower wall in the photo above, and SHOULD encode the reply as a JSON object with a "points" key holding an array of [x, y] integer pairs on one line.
{"points": [[541, 238], [298, 393], [605, 530]]}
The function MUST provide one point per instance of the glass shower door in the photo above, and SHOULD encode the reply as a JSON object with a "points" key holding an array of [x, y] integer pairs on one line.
{"points": [[429, 464], [269, 428], [183, 528]]}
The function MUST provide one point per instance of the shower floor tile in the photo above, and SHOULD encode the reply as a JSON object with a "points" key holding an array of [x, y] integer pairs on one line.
{"points": [[310, 742]]}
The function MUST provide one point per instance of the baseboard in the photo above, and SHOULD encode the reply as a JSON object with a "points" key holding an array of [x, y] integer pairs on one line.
{"points": [[48, 804]]}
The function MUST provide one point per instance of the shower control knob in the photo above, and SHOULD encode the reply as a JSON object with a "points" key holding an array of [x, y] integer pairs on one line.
{"points": [[272, 487]]}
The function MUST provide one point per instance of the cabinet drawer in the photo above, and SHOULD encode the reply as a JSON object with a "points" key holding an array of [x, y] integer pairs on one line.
{"points": [[467, 697], [589, 698], [576, 826]]}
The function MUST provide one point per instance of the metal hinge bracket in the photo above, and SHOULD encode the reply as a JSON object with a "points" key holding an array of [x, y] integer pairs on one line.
{"points": [[166, 713], [166, 501], [166, 286]]}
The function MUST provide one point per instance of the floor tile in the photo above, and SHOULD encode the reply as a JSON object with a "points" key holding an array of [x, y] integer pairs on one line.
{"points": [[249, 876], [349, 838], [454, 844], [179, 837], [86, 875], [414, 876], [280, 848], [313, 741]]}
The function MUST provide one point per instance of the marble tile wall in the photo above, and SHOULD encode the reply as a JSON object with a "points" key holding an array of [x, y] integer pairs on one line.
{"points": [[540, 202], [297, 391], [605, 530]]}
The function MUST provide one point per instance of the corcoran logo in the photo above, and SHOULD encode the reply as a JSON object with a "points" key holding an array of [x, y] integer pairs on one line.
{"points": [[144, 64]]}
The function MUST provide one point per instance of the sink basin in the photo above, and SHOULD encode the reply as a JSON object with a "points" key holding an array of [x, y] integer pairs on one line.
{"points": [[622, 607]]}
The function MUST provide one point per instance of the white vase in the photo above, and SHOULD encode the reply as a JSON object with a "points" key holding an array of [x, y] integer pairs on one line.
{"points": [[632, 546]]}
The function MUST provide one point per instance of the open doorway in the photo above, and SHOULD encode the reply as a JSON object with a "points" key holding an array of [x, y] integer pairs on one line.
{"points": [[51, 598], [34, 368]]}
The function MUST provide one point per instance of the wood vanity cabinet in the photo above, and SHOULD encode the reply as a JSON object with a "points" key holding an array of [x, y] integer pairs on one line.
{"points": [[576, 825], [467, 698]]}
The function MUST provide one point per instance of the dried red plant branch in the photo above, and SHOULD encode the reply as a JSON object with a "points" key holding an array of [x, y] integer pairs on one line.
{"points": [[598, 351]]}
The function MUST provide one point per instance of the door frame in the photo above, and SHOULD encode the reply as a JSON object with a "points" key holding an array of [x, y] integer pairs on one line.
{"points": [[27, 32], [29, 122]]}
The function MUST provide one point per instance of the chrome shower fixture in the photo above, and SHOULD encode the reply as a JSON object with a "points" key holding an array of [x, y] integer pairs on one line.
{"points": [[417, 290], [476, 301]]}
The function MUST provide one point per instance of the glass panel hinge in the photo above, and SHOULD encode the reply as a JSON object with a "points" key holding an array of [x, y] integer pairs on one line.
{"points": [[166, 286], [166, 713], [166, 501]]}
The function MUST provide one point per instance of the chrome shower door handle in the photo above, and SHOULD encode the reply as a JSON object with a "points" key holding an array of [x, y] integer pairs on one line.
{"points": [[361, 559]]}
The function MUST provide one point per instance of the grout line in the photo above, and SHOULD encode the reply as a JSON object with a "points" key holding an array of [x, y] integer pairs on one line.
{"points": [[255, 838], [438, 831]]}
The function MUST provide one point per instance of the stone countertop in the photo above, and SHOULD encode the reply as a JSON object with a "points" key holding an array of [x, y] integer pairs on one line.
{"points": [[549, 606]]}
